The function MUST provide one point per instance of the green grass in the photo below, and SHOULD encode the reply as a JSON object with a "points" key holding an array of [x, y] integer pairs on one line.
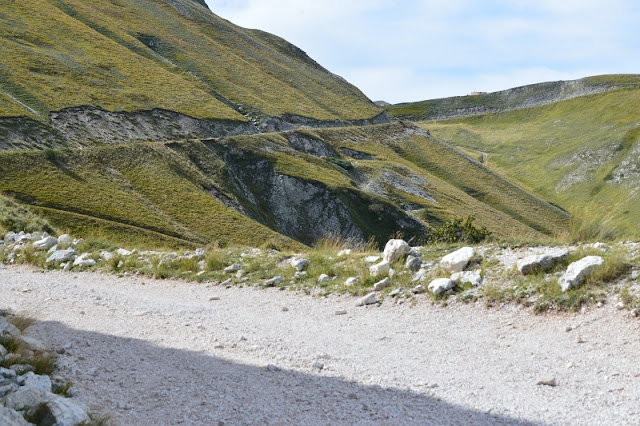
{"points": [[129, 55], [570, 153]]}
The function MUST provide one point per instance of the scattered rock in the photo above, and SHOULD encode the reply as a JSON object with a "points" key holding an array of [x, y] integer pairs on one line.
{"points": [[345, 252], [351, 281], [369, 299], [418, 289], [547, 381], [83, 261], [323, 277], [318, 365], [381, 285], [541, 262], [472, 277], [441, 285], [395, 250], [62, 411], [341, 312], [300, 264], [45, 243], [380, 269], [65, 241], [272, 368], [420, 276], [285, 309], [372, 259], [274, 281], [578, 271], [213, 298], [413, 263], [300, 275], [396, 292], [59, 256], [458, 260], [233, 268]]}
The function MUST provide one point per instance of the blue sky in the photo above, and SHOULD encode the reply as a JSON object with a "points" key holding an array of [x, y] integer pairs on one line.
{"points": [[422, 49]]}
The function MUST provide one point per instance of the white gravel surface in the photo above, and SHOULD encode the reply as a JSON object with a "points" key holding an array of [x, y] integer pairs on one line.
{"points": [[161, 352]]}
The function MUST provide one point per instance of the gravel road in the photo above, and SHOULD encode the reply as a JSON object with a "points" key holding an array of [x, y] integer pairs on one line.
{"points": [[163, 352]]}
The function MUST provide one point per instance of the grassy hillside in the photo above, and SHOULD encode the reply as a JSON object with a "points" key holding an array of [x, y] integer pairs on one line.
{"points": [[356, 182], [128, 55], [581, 153], [516, 98]]}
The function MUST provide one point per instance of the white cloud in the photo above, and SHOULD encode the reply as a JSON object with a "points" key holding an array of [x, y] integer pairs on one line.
{"points": [[432, 48]]}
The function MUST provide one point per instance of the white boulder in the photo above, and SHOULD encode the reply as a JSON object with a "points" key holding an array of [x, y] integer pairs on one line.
{"points": [[441, 285], [299, 264], [323, 277], [45, 243], [381, 285], [578, 271], [83, 261], [351, 281], [458, 260], [472, 277], [541, 262], [369, 299], [380, 269], [59, 256], [274, 281], [395, 250], [65, 240], [413, 263]]}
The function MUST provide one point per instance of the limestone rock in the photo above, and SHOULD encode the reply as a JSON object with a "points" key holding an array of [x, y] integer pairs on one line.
{"points": [[418, 289], [323, 277], [60, 256], [413, 263], [441, 285], [458, 260], [65, 241], [541, 262], [9, 417], [578, 271], [300, 264], [62, 411], [547, 381], [380, 269], [83, 261], [45, 243], [274, 281], [420, 276], [27, 397], [7, 328], [472, 277], [381, 285], [369, 299], [371, 259], [233, 268], [35, 381], [395, 250], [345, 252], [351, 281], [125, 252]]}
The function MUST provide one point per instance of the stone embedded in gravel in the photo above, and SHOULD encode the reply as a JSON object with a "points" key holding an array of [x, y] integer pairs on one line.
{"points": [[59, 256], [541, 262], [378, 269], [547, 381], [274, 281], [418, 289], [458, 260], [213, 298], [578, 271], [395, 250], [369, 299], [441, 285], [471, 277], [10, 417], [318, 365], [351, 281], [272, 368], [233, 268], [381, 285], [323, 277], [45, 243], [341, 312], [345, 252], [396, 292], [413, 263], [299, 264]]}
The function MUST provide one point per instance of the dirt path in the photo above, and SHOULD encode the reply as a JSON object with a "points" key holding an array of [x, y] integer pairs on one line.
{"points": [[161, 352]]}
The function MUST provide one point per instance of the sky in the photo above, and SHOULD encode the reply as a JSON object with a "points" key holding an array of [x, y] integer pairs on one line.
{"points": [[413, 50]]}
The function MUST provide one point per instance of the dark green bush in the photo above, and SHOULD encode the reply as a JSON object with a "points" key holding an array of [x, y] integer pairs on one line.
{"points": [[459, 231]]}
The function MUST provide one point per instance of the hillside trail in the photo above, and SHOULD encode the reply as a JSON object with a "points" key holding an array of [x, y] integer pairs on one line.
{"points": [[151, 352]]}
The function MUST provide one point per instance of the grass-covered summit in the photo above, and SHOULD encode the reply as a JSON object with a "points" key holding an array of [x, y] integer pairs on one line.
{"points": [[175, 55]]}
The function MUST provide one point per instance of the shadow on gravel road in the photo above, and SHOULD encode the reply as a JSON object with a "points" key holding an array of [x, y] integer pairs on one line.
{"points": [[139, 383]]}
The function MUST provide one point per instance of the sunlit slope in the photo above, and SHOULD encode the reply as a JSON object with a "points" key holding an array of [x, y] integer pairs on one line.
{"points": [[582, 153], [127, 55]]}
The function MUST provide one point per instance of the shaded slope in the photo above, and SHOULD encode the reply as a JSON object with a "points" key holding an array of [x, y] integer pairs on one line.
{"points": [[511, 99], [581, 153], [174, 55]]}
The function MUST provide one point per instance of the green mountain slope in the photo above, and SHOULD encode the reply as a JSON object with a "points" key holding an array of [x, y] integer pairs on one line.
{"points": [[356, 182], [174, 55], [581, 153]]}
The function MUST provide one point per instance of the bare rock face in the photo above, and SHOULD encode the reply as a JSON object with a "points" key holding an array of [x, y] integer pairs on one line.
{"points": [[578, 271]]}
